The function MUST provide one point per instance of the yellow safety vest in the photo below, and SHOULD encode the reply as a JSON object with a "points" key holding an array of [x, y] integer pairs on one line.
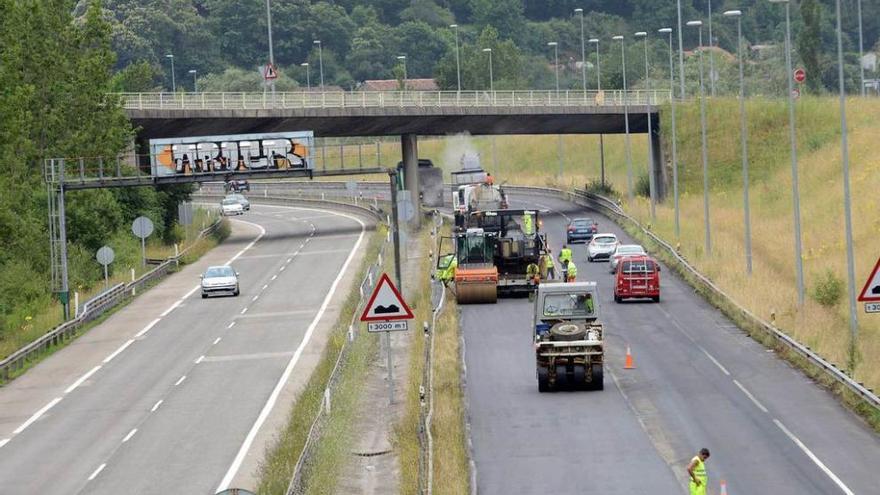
{"points": [[548, 261], [572, 269], [532, 270], [700, 474], [565, 254], [528, 228]]}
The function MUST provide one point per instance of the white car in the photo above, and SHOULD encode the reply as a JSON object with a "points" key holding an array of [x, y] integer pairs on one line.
{"points": [[601, 247], [624, 250], [245, 204], [219, 280], [231, 206]]}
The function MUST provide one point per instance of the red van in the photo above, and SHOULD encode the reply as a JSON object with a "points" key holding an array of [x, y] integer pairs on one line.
{"points": [[637, 277]]}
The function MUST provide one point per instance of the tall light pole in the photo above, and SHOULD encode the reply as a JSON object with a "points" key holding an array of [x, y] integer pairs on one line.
{"points": [[195, 84], [457, 60], [674, 143], [861, 47], [271, 52], [580, 13], [680, 53], [170, 56], [599, 90], [743, 136], [308, 76], [711, 54], [320, 61], [796, 200], [847, 208], [555, 46], [652, 185], [491, 77], [629, 165], [704, 144], [402, 58]]}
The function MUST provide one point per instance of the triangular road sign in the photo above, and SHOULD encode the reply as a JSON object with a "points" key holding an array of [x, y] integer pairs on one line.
{"points": [[386, 303], [871, 291], [270, 72]]}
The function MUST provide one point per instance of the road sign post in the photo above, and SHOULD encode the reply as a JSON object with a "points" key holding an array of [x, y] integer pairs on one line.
{"points": [[387, 312]]}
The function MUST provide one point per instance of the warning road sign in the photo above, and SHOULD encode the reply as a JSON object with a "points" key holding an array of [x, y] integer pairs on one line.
{"points": [[270, 72], [386, 303], [800, 75], [871, 291]]}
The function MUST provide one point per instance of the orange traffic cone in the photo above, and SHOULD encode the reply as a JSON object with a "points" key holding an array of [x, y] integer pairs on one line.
{"points": [[629, 360], [723, 487]]}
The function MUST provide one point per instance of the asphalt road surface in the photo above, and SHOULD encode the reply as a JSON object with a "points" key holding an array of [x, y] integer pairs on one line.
{"points": [[699, 382], [172, 405]]}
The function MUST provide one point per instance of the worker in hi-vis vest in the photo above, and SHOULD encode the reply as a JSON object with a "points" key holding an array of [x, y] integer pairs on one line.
{"points": [[528, 225], [549, 265], [697, 472], [565, 254], [570, 270]]}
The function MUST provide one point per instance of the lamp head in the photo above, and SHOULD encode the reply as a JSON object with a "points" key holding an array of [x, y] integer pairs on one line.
{"points": [[618, 38], [665, 30], [733, 13], [695, 23], [640, 34]]}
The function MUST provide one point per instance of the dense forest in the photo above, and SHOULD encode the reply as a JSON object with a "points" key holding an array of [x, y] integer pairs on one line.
{"points": [[225, 41]]}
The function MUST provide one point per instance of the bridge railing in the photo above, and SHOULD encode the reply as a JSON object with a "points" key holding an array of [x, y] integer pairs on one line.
{"points": [[390, 99]]}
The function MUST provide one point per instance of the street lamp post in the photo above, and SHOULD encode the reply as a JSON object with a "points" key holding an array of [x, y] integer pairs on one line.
{"points": [[680, 53], [711, 55], [847, 208], [308, 76], [799, 263], [491, 77], [861, 47], [743, 139], [555, 46], [457, 60], [271, 52], [598, 91], [195, 84], [674, 144], [704, 144], [580, 13], [170, 56], [320, 61], [629, 171], [402, 58], [652, 185]]}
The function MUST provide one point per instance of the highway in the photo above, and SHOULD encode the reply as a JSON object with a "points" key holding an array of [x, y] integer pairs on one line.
{"points": [[171, 393], [699, 382]]}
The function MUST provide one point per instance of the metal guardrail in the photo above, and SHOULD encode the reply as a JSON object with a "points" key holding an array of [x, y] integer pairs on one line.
{"points": [[616, 213], [91, 310], [390, 99], [426, 476]]}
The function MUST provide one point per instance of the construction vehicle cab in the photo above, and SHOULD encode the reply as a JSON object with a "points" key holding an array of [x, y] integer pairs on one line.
{"points": [[569, 346], [475, 275]]}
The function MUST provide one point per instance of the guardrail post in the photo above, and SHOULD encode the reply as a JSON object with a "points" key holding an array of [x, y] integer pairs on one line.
{"points": [[75, 305]]}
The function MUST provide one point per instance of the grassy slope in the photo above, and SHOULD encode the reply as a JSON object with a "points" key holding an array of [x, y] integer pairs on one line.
{"points": [[771, 289]]}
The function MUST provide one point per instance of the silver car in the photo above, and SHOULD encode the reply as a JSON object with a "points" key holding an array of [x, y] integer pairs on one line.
{"points": [[219, 280], [231, 206], [243, 201], [622, 251], [601, 247]]}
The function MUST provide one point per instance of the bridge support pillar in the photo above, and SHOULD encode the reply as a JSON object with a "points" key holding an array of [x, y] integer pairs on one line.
{"points": [[410, 146], [658, 163]]}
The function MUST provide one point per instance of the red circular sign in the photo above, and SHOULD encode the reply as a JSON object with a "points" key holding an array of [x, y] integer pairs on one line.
{"points": [[800, 75]]}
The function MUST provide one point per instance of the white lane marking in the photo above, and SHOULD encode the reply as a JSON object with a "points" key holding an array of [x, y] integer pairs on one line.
{"points": [[118, 351], [750, 396], [170, 309], [262, 233], [722, 368], [178, 382], [130, 434], [297, 252], [264, 413], [200, 359], [217, 340], [191, 292], [37, 415], [4, 442], [147, 328], [82, 379], [230, 325], [274, 277], [845, 489], [255, 298], [282, 268], [291, 259], [244, 311], [265, 286], [156, 405], [97, 471]]}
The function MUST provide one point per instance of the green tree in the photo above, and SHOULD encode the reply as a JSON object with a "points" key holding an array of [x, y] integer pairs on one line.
{"points": [[429, 12], [809, 43], [505, 15]]}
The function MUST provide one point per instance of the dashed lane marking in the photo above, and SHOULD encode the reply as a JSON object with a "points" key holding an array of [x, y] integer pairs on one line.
{"points": [[845, 489], [82, 379]]}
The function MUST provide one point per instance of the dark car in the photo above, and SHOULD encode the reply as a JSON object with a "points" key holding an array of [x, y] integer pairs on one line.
{"points": [[581, 229], [237, 185]]}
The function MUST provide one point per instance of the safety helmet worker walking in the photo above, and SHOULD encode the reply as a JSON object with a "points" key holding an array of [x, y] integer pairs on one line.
{"points": [[697, 473], [570, 270]]}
